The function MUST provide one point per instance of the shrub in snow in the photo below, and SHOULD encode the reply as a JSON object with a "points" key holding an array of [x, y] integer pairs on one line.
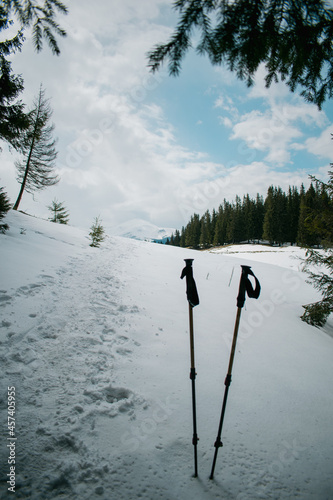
{"points": [[59, 212], [97, 233]]}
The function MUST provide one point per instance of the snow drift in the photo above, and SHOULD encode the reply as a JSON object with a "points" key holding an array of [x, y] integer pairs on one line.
{"points": [[95, 343]]}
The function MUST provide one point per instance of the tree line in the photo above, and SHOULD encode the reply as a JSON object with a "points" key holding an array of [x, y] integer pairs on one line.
{"points": [[279, 218]]}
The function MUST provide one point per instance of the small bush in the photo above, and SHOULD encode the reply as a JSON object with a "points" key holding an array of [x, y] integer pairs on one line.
{"points": [[97, 233]]}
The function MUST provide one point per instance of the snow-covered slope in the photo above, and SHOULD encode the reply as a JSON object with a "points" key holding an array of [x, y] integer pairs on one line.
{"points": [[96, 344], [139, 229]]}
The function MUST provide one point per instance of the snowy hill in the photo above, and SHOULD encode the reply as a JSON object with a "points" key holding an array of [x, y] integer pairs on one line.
{"points": [[139, 229], [94, 346]]}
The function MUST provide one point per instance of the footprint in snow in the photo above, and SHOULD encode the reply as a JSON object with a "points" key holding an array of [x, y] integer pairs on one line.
{"points": [[4, 297], [109, 394], [113, 401]]}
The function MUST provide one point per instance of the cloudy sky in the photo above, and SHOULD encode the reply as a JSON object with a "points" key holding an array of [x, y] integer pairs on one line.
{"points": [[136, 145]]}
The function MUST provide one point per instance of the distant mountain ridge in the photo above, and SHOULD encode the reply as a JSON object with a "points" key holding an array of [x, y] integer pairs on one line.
{"points": [[139, 229]]}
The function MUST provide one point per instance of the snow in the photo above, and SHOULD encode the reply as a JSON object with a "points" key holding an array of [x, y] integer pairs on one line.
{"points": [[96, 343]]}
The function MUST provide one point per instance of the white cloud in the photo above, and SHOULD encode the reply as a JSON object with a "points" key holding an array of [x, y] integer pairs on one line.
{"points": [[118, 155], [279, 129], [321, 146]]}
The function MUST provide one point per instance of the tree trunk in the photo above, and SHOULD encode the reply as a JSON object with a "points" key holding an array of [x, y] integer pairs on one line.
{"points": [[18, 201]]}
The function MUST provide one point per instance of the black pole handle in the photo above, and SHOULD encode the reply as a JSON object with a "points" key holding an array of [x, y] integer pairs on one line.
{"points": [[245, 286], [191, 289]]}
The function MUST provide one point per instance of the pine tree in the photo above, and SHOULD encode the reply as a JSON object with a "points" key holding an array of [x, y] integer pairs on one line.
{"points": [[239, 223], [192, 233], [259, 217], [268, 226], [182, 238], [4, 208], [291, 40], [219, 234], [96, 233], [275, 220], [13, 120], [35, 171], [293, 209], [318, 312], [42, 18], [307, 235], [229, 222], [60, 214], [176, 239], [205, 230]]}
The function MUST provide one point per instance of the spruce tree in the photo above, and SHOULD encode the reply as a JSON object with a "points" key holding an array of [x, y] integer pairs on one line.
{"points": [[59, 213], [192, 233], [259, 217], [248, 209], [4, 208], [42, 18], [176, 239], [307, 235], [182, 237], [293, 208], [318, 312], [205, 231], [36, 169], [219, 234], [268, 226], [96, 233], [291, 40]]}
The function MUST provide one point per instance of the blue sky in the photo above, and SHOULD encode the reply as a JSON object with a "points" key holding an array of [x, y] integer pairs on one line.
{"points": [[136, 145]]}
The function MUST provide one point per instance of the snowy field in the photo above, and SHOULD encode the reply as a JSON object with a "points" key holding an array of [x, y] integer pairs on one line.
{"points": [[94, 344]]}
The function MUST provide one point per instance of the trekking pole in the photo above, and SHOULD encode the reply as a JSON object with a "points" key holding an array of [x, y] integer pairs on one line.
{"points": [[193, 300], [244, 286]]}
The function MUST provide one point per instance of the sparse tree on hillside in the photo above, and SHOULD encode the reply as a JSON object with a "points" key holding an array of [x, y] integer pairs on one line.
{"points": [[59, 213], [36, 170]]}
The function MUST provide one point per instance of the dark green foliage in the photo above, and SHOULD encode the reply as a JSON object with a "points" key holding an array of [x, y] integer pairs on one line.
{"points": [[12, 117], [317, 313], [278, 219], [59, 213], [4, 208], [193, 231], [96, 233], [42, 18], [276, 216], [292, 39], [36, 169], [319, 223]]}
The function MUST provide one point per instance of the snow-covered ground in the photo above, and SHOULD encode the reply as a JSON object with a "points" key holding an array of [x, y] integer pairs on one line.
{"points": [[95, 343]]}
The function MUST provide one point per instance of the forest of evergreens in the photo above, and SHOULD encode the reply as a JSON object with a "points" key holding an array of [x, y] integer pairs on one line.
{"points": [[279, 218]]}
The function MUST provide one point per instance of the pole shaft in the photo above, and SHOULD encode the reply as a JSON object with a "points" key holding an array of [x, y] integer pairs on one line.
{"points": [[190, 308], [192, 377], [234, 340], [218, 442]]}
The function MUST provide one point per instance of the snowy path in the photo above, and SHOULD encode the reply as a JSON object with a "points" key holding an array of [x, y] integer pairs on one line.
{"points": [[96, 343]]}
